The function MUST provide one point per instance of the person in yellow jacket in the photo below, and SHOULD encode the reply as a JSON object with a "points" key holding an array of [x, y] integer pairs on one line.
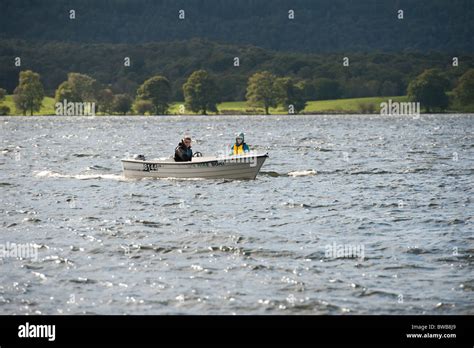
{"points": [[240, 147]]}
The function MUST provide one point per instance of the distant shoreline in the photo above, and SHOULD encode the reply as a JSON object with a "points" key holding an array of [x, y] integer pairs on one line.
{"points": [[253, 115], [355, 106]]}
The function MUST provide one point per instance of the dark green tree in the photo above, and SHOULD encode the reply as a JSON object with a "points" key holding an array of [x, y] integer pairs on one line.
{"points": [[261, 91], [290, 95], [156, 90], [201, 93], [464, 91], [29, 94], [106, 100], [144, 107], [122, 104], [429, 89], [78, 88]]}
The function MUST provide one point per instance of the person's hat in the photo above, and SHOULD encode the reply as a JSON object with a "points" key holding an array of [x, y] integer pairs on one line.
{"points": [[240, 136]]}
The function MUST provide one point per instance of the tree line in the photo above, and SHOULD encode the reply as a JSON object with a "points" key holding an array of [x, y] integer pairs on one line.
{"points": [[154, 95], [324, 76], [264, 90]]}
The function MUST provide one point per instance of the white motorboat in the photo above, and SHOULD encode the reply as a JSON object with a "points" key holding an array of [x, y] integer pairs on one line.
{"points": [[244, 166]]}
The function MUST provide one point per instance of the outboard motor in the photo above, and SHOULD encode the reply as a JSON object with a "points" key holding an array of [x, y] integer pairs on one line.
{"points": [[138, 157]]}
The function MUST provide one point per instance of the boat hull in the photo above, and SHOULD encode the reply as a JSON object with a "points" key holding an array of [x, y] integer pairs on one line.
{"points": [[235, 167]]}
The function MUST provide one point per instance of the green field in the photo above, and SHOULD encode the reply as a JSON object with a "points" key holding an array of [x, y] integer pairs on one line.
{"points": [[46, 109], [349, 105], [355, 105], [319, 106]]}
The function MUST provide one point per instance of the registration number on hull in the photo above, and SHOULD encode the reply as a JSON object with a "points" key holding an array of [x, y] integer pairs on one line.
{"points": [[150, 167]]}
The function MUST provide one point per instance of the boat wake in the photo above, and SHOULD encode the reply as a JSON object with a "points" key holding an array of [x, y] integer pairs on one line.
{"points": [[53, 174], [296, 173], [302, 173], [95, 176]]}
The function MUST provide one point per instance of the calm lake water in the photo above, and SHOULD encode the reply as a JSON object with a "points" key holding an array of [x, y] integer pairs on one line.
{"points": [[351, 214]]}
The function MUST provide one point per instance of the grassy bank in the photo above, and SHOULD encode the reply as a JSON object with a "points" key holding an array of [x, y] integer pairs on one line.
{"points": [[354, 105], [46, 109]]}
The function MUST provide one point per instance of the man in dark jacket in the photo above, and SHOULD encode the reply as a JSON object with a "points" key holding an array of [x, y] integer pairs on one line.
{"points": [[183, 152]]}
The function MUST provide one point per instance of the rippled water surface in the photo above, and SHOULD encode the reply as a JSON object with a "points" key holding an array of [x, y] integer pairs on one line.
{"points": [[397, 188]]}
